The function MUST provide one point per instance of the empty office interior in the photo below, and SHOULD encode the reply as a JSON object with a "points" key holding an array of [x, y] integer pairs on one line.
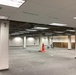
{"points": [[37, 37], [33, 41]]}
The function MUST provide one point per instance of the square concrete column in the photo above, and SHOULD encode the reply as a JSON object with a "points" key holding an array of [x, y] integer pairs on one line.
{"points": [[40, 42], [69, 42], [4, 45], [24, 42], [48, 40], [75, 43], [52, 42]]}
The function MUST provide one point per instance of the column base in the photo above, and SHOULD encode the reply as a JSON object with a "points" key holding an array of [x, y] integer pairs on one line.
{"points": [[41, 51], [69, 49], [24, 48], [4, 69], [75, 57]]}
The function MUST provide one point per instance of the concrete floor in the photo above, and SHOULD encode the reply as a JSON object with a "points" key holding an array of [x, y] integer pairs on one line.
{"points": [[29, 61]]}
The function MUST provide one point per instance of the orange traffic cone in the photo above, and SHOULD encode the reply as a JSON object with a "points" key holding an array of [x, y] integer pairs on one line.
{"points": [[43, 50]]}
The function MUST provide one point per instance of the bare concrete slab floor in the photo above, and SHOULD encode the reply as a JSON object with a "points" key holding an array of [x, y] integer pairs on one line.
{"points": [[31, 62]]}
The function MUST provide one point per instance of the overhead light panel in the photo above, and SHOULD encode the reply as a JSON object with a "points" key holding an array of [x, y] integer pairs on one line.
{"points": [[58, 32], [12, 3], [71, 30], [74, 17], [48, 33], [18, 33], [14, 34], [31, 30], [57, 24], [3, 17], [23, 32], [40, 28]]}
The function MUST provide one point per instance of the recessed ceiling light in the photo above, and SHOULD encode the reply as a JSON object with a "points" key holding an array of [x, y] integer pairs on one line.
{"points": [[3, 17], [40, 28], [57, 24], [12, 3], [31, 30]]}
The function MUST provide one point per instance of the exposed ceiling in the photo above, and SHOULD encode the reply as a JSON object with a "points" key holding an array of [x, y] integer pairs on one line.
{"points": [[43, 12], [20, 28]]}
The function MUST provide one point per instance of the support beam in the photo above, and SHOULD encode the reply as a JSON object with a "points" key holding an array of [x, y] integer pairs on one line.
{"points": [[4, 37], [69, 42], [24, 42]]}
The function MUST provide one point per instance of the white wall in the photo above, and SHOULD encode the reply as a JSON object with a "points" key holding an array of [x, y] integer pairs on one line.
{"points": [[31, 41], [36, 40], [16, 41], [63, 38], [60, 39], [73, 38], [45, 40]]}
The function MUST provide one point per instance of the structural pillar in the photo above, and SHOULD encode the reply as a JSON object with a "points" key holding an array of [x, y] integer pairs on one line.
{"points": [[75, 43], [24, 42], [52, 42], [69, 42], [48, 41], [40, 42], [4, 45]]}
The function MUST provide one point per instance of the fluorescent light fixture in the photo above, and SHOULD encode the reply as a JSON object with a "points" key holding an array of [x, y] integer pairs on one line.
{"points": [[31, 30], [74, 17], [57, 24], [23, 32], [14, 34], [12, 3], [71, 30], [48, 33], [20, 32], [58, 32], [3, 17], [40, 28]]}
